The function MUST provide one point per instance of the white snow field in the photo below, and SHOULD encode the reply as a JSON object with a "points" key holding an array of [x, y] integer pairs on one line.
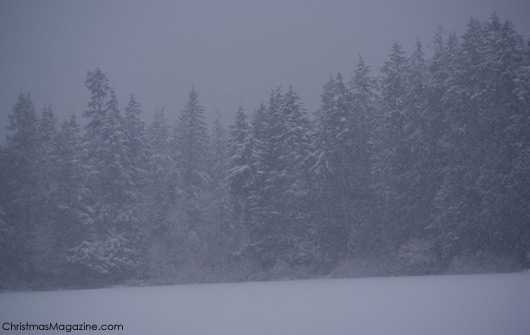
{"points": [[470, 304]]}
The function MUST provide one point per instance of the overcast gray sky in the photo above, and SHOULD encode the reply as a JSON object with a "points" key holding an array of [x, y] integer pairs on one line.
{"points": [[233, 51]]}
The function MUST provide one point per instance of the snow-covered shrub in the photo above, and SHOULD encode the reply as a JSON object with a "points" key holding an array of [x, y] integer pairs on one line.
{"points": [[112, 256]]}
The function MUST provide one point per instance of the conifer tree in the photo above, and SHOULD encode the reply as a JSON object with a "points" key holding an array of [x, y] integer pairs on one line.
{"points": [[332, 169], [420, 180], [458, 199], [505, 52], [295, 148], [192, 146], [136, 140], [66, 216], [162, 182], [366, 206], [277, 196], [112, 250], [218, 152], [98, 84], [266, 242], [47, 262], [393, 156], [21, 180], [241, 166]]}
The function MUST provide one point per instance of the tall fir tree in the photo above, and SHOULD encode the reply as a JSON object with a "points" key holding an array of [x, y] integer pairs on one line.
{"points": [[112, 251], [21, 181], [277, 197], [366, 205], [218, 152], [295, 148], [266, 244], [192, 146], [67, 213], [47, 262], [137, 145], [393, 156], [242, 167], [162, 184], [332, 170], [420, 180]]}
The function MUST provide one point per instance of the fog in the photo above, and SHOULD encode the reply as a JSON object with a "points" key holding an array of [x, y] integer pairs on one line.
{"points": [[233, 52], [413, 161]]}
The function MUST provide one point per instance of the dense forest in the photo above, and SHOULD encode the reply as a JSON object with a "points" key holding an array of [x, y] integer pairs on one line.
{"points": [[423, 168]]}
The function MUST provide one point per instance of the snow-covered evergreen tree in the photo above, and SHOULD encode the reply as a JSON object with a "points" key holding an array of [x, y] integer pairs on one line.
{"points": [[393, 157], [365, 205], [67, 216], [47, 262], [98, 85], [112, 250], [504, 62], [218, 152], [482, 156], [266, 242], [334, 161], [136, 140], [415, 186], [278, 190], [20, 184], [191, 144], [241, 165], [295, 148], [162, 181]]}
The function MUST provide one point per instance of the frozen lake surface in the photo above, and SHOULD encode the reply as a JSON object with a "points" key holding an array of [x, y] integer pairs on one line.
{"points": [[471, 304]]}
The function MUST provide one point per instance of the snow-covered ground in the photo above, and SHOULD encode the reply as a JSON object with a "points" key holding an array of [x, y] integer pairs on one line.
{"points": [[473, 304]]}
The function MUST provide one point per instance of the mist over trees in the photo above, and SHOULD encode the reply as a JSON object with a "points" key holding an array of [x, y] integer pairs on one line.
{"points": [[423, 168]]}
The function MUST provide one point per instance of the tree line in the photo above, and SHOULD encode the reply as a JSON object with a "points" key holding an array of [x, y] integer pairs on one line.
{"points": [[422, 164]]}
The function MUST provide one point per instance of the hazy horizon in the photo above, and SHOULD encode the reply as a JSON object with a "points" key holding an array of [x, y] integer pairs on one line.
{"points": [[233, 52]]}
